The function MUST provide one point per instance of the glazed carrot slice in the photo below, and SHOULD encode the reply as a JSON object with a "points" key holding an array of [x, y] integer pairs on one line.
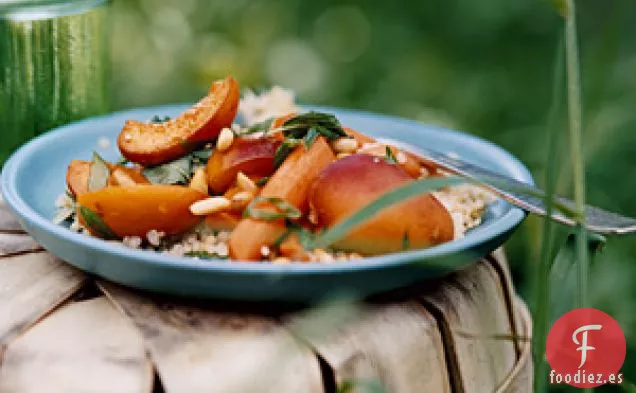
{"points": [[291, 182], [358, 136], [223, 221], [135, 210], [291, 248]]}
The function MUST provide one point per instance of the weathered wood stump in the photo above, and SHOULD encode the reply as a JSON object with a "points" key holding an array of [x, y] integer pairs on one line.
{"points": [[62, 331]]}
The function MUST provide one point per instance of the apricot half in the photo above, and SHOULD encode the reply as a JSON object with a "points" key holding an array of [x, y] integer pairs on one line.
{"points": [[78, 173], [135, 210], [253, 157], [353, 182], [77, 176], [156, 143]]}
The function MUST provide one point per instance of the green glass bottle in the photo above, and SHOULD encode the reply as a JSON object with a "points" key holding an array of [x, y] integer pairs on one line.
{"points": [[54, 66]]}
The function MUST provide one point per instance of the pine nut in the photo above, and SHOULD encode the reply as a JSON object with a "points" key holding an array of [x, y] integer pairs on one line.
{"points": [[281, 260], [245, 183], [209, 206], [241, 199], [342, 155], [313, 217], [199, 180], [424, 172], [322, 255], [123, 179], [373, 149], [345, 145], [265, 251], [226, 137]]}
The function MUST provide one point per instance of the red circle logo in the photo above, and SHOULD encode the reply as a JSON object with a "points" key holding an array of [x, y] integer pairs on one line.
{"points": [[585, 348]]}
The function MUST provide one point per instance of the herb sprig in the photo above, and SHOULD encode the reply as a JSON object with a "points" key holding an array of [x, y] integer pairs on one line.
{"points": [[306, 128], [204, 255], [282, 209], [389, 156], [98, 173], [158, 119], [96, 223], [179, 171], [263, 126]]}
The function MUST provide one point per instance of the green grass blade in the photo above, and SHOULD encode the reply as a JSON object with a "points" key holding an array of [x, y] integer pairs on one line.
{"points": [[576, 144], [562, 277], [542, 289], [370, 385]]}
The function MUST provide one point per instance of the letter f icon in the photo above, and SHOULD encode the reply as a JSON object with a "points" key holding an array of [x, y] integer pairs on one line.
{"points": [[584, 347]]}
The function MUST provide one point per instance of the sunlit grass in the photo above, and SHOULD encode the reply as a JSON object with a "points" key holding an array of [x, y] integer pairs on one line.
{"points": [[542, 287]]}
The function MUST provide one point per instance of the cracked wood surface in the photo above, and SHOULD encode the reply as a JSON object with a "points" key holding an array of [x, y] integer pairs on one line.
{"points": [[437, 337]]}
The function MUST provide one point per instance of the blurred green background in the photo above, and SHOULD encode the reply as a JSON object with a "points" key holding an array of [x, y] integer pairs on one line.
{"points": [[484, 67]]}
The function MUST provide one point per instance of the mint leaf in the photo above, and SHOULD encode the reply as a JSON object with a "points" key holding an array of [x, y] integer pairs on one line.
{"points": [[262, 181], [98, 173], [284, 209], [262, 126], [202, 155], [178, 171], [390, 157], [96, 224], [286, 147], [157, 119], [310, 138]]}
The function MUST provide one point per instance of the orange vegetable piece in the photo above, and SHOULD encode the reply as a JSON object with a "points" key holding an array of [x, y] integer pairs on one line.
{"points": [[291, 182], [410, 164], [413, 161], [135, 210], [253, 157], [358, 136], [353, 182], [280, 120], [77, 177], [156, 143], [291, 248], [123, 176], [78, 173], [223, 221]]}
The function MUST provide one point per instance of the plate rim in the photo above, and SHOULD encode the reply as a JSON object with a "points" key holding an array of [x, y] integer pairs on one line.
{"points": [[508, 222]]}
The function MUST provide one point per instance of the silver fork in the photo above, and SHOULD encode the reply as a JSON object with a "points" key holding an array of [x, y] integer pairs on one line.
{"points": [[532, 199]]}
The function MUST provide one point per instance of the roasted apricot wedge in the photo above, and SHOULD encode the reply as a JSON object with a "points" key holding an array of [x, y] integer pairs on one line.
{"points": [[155, 143], [358, 136], [407, 161], [122, 176], [78, 173], [353, 182], [253, 157], [291, 183], [223, 221], [77, 176], [135, 210]]}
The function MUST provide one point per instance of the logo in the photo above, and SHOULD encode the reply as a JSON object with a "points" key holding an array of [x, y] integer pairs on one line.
{"points": [[585, 348]]}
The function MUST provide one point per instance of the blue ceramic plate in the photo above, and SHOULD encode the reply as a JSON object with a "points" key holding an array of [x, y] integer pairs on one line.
{"points": [[35, 175]]}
